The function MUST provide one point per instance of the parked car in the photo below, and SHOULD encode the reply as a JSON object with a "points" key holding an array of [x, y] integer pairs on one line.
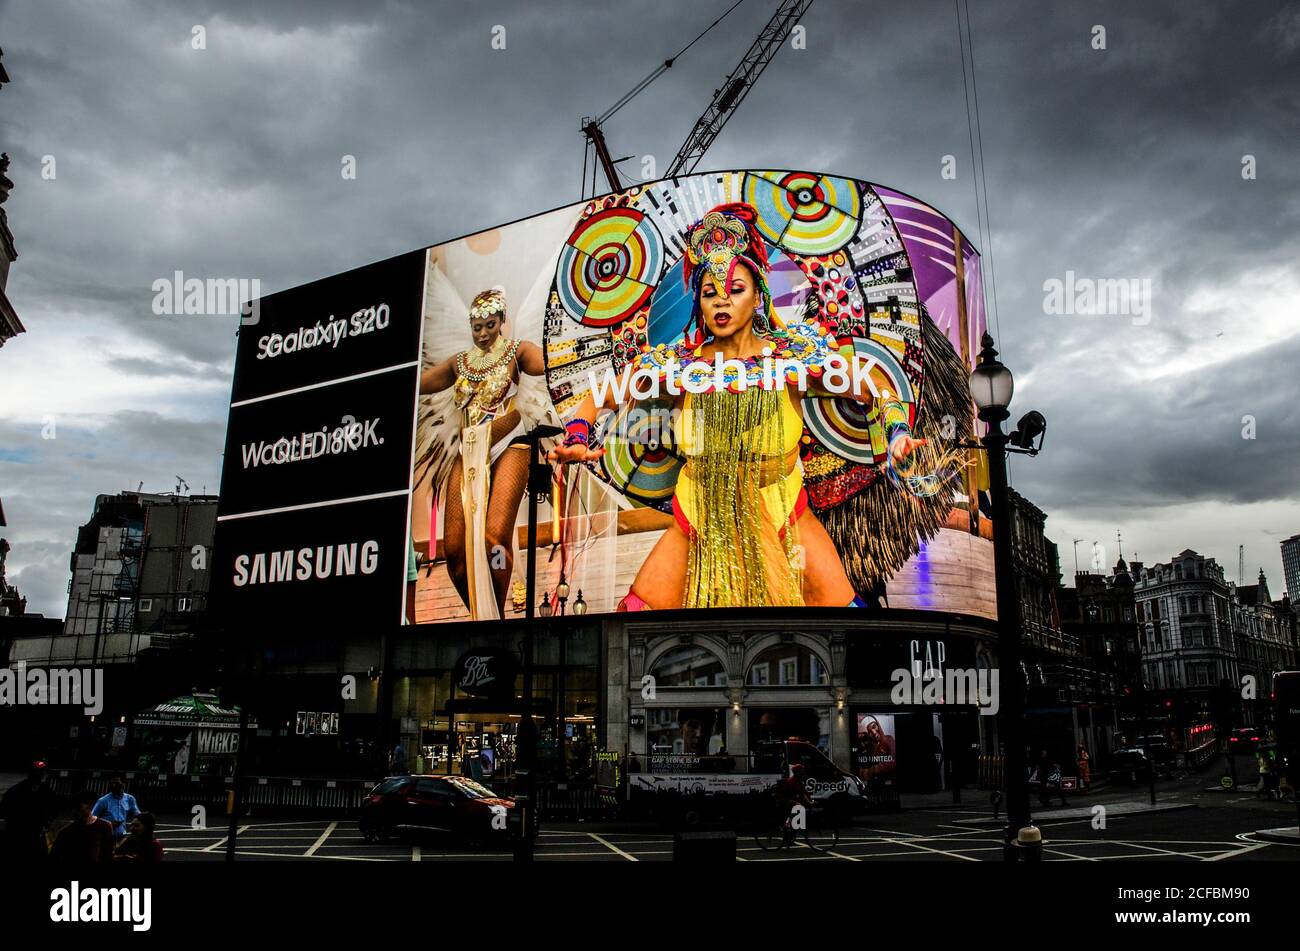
{"points": [[1244, 740], [1157, 744], [455, 805]]}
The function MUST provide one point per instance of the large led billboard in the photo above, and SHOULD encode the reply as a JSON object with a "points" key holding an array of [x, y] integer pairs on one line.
{"points": [[756, 381]]}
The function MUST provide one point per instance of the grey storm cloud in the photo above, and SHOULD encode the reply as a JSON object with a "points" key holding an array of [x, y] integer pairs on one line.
{"points": [[225, 162]]}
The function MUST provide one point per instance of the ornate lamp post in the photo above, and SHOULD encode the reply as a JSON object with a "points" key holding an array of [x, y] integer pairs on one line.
{"points": [[991, 386]]}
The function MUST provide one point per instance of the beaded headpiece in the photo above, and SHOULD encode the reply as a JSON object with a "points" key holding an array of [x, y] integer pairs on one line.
{"points": [[714, 244], [487, 304]]}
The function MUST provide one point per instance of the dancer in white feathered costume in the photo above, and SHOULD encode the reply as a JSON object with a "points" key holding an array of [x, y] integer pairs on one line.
{"points": [[476, 406]]}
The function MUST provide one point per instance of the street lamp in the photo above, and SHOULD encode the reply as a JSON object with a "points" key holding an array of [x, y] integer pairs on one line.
{"points": [[579, 606], [539, 485], [562, 593], [991, 386]]}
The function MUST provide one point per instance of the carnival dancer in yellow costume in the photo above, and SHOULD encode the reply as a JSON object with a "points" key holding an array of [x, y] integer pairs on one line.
{"points": [[485, 399], [742, 533]]}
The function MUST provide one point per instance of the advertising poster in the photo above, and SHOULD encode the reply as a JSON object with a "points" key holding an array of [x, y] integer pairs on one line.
{"points": [[875, 751], [753, 385], [316, 476]]}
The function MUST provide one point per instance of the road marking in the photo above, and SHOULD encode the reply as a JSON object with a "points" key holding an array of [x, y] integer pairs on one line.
{"points": [[321, 841], [1228, 855], [841, 855], [614, 848], [282, 855], [912, 843], [893, 834], [1070, 857], [220, 842], [1140, 845]]}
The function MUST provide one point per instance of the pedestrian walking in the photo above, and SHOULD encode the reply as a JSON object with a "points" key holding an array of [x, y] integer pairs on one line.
{"points": [[1049, 780], [397, 761], [87, 840], [117, 806], [140, 846], [28, 808], [1085, 767]]}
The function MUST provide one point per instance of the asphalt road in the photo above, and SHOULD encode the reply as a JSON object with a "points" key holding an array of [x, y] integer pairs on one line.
{"points": [[1191, 824]]}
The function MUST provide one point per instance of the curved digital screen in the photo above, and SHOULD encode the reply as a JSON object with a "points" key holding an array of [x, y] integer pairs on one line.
{"points": [[753, 390]]}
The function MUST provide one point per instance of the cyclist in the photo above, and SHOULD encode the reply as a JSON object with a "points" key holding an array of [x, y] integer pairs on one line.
{"points": [[789, 793]]}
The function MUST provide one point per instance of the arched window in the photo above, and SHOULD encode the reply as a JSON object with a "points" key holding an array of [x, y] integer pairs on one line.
{"points": [[689, 666], [787, 665]]}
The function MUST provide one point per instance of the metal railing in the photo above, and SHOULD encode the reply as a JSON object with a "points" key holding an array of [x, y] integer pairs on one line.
{"points": [[288, 795]]}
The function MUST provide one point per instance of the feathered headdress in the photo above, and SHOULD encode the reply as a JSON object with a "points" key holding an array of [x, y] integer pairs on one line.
{"points": [[714, 244]]}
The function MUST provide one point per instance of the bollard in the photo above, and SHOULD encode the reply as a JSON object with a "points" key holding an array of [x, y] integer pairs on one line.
{"points": [[1030, 842]]}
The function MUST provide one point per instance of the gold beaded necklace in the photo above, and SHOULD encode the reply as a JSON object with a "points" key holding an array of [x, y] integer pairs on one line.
{"points": [[476, 365]]}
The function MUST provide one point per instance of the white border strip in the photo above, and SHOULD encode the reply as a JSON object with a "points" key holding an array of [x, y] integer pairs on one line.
{"points": [[317, 386], [313, 505]]}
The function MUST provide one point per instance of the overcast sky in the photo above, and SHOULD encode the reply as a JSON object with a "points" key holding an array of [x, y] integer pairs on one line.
{"points": [[1123, 162]]}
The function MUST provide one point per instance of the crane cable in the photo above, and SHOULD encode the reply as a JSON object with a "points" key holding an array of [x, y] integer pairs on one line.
{"points": [[979, 181], [664, 66]]}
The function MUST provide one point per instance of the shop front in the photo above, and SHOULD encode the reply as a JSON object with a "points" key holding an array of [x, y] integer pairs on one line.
{"points": [[461, 714], [723, 699]]}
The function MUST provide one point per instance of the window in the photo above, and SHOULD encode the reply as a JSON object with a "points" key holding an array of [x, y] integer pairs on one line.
{"points": [[688, 666], [390, 786], [793, 664], [690, 732], [184, 603], [146, 605], [433, 789]]}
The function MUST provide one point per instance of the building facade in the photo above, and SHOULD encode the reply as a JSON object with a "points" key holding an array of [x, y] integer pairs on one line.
{"points": [[10, 325], [1291, 566], [1100, 614], [139, 574], [1187, 618], [1264, 642]]}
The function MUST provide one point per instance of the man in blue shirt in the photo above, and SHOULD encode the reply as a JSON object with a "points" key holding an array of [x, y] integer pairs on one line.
{"points": [[118, 806]]}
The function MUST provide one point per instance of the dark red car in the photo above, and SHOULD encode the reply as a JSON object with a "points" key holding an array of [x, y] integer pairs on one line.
{"points": [[1245, 740], [455, 805]]}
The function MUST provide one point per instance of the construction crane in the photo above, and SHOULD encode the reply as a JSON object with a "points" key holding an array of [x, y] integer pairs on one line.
{"points": [[726, 99]]}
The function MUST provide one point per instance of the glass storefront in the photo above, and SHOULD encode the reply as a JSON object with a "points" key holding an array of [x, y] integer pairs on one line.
{"points": [[445, 730]]}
